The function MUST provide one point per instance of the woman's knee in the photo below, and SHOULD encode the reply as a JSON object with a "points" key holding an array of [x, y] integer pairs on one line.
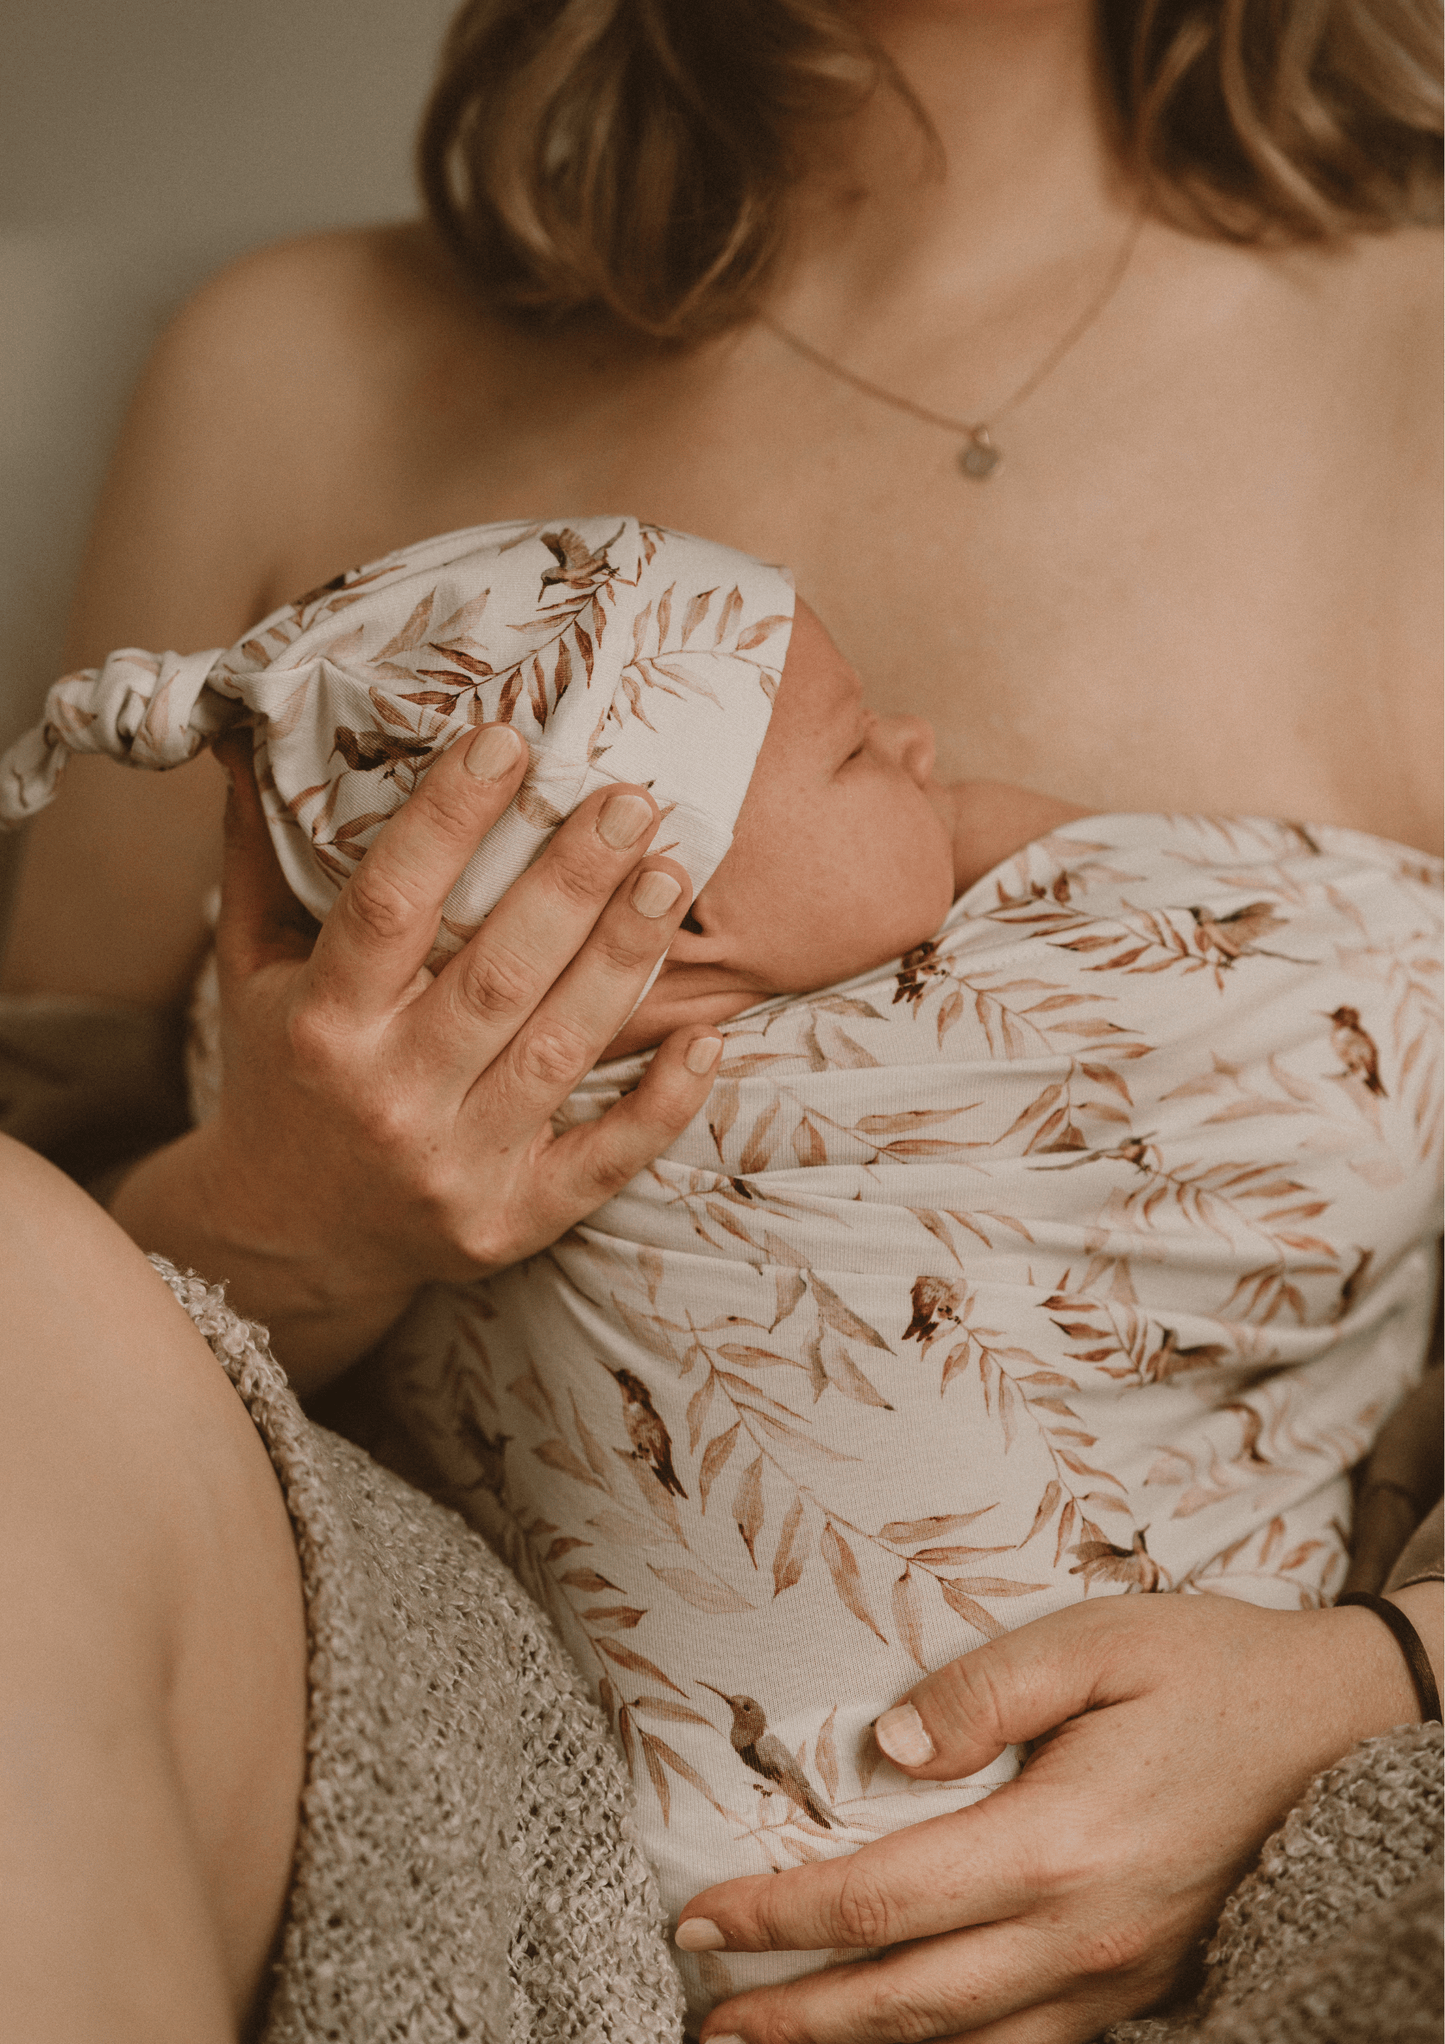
{"points": [[152, 1583]]}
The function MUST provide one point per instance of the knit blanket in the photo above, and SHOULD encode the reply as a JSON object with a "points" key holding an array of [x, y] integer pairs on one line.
{"points": [[466, 1866]]}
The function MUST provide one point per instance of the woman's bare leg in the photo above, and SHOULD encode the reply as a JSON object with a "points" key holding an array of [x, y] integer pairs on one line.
{"points": [[152, 1649]]}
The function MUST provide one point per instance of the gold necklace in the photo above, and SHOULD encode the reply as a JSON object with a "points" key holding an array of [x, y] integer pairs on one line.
{"points": [[980, 455]]}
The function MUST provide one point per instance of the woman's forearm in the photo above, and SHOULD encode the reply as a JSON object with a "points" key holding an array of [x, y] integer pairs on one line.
{"points": [[188, 1203]]}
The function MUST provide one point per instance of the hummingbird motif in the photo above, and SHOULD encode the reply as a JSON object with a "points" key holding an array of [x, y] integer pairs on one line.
{"points": [[651, 1442], [766, 1755], [1100, 1561], [364, 751], [934, 1299], [1237, 934], [915, 969], [1355, 1049], [577, 566], [1169, 1360]]}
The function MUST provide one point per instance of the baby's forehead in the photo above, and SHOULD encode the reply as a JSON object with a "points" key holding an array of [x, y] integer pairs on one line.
{"points": [[819, 684]]}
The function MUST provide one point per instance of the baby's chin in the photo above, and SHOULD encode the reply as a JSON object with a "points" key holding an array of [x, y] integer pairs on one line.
{"points": [[690, 995]]}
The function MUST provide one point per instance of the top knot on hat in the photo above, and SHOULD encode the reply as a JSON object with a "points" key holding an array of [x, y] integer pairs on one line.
{"points": [[619, 651]]}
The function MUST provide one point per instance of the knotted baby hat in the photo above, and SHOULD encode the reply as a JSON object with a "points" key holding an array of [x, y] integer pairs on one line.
{"points": [[619, 651]]}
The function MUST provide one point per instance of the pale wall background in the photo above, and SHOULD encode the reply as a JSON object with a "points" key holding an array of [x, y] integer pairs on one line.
{"points": [[142, 144]]}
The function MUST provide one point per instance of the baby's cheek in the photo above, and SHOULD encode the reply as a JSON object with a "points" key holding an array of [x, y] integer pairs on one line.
{"points": [[897, 893]]}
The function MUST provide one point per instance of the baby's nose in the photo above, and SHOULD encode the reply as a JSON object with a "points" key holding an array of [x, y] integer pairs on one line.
{"points": [[909, 743]]}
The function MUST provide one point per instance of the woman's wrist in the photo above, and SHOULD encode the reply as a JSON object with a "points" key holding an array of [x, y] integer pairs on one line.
{"points": [[1424, 1605], [1369, 1681], [192, 1203]]}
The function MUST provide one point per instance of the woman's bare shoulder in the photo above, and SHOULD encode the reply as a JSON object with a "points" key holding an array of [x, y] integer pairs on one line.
{"points": [[328, 363], [241, 476], [355, 308]]}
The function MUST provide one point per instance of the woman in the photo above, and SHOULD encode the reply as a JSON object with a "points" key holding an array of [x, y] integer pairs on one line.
{"points": [[1165, 258]]}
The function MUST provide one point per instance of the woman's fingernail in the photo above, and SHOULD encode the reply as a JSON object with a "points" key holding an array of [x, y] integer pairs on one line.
{"points": [[655, 893], [699, 1057], [901, 1735], [623, 820], [494, 752], [699, 1934]]}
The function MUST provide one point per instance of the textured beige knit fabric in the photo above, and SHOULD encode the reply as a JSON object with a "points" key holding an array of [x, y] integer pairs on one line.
{"points": [[466, 1866], [1335, 1938]]}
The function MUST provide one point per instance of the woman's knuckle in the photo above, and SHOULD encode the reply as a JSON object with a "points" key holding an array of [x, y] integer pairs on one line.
{"points": [[575, 878], [1116, 1946], [385, 1124], [862, 1912], [620, 951], [784, 2027], [495, 983], [551, 1056], [310, 1040], [899, 2010], [486, 1245], [379, 907], [605, 1177], [449, 807]]}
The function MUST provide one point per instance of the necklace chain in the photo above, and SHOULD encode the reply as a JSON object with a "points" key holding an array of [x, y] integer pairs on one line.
{"points": [[980, 456]]}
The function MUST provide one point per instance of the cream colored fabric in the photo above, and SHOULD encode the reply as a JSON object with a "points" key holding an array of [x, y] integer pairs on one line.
{"points": [[621, 652], [1082, 1252]]}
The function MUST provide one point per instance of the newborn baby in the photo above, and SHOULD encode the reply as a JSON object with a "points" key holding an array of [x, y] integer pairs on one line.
{"points": [[846, 851], [1061, 1222]]}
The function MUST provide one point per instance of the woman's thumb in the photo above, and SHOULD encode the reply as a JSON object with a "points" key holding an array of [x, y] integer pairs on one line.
{"points": [[261, 919], [1006, 1693]]}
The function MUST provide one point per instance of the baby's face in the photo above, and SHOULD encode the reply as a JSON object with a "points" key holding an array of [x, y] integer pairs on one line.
{"points": [[842, 856]]}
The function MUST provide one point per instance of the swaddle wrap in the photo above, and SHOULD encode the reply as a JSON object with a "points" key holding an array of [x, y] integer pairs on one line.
{"points": [[619, 651], [1080, 1252]]}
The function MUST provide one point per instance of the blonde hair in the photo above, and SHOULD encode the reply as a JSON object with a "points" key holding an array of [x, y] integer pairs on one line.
{"points": [[637, 155]]}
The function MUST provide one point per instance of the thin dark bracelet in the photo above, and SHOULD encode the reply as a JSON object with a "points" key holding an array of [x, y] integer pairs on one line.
{"points": [[1409, 1643]]}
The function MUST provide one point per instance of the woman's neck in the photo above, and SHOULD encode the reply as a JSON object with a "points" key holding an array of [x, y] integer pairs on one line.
{"points": [[1021, 188]]}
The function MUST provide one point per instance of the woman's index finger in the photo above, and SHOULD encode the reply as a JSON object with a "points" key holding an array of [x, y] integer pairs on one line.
{"points": [[386, 917], [971, 1866]]}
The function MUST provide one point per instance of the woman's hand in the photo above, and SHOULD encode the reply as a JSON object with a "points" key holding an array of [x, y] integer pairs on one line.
{"points": [[1077, 1894], [379, 1128]]}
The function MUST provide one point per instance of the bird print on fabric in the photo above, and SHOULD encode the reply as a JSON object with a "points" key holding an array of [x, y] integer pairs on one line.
{"points": [[769, 1758], [578, 565], [1100, 1561], [1355, 1049], [651, 1442], [365, 751]]}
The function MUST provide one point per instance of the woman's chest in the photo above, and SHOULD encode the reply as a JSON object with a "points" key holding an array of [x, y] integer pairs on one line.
{"points": [[1197, 562]]}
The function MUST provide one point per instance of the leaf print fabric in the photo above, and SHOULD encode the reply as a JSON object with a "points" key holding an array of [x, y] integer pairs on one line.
{"points": [[620, 652], [1077, 1254]]}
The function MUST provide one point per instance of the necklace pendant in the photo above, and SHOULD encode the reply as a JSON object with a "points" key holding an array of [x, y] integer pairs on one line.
{"points": [[978, 457]]}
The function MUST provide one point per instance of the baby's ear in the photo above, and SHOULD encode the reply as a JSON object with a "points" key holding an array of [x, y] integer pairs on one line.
{"points": [[698, 939]]}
